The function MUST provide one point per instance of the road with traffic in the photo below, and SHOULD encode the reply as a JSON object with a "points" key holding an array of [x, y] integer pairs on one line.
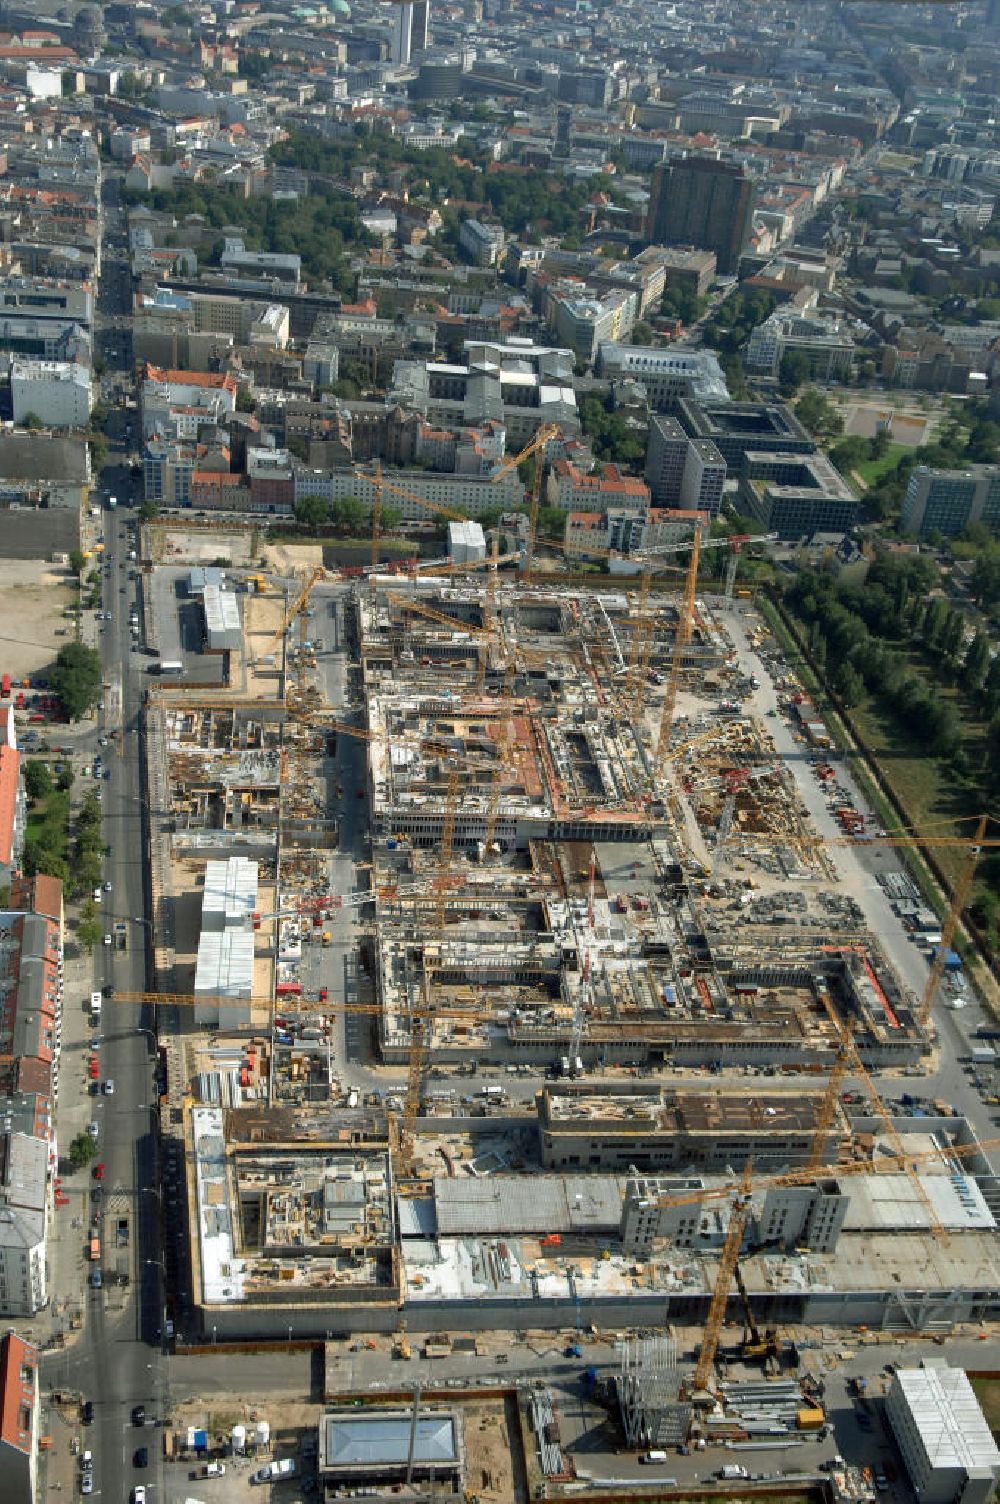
{"points": [[117, 1362]]}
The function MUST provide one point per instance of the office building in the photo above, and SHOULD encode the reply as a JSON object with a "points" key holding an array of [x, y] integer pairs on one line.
{"points": [[943, 1435], [410, 30], [826, 343], [736, 427], [666, 453], [584, 323], [682, 471], [55, 391], [703, 202], [796, 495], [946, 501], [669, 376]]}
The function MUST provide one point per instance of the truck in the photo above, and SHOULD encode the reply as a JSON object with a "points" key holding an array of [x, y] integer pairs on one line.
{"points": [[121, 1232], [121, 936], [283, 1467], [112, 503], [94, 1252], [5, 687], [95, 1007], [732, 1470]]}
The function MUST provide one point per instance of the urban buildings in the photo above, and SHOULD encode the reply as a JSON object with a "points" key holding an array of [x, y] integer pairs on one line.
{"points": [[410, 29], [705, 202]]}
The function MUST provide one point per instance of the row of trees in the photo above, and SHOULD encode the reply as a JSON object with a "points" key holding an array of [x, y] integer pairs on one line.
{"points": [[88, 866], [858, 635], [347, 514]]}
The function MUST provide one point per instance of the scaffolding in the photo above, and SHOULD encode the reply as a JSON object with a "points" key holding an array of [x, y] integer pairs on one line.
{"points": [[648, 1390]]}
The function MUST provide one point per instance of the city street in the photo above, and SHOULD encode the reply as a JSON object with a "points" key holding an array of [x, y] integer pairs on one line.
{"points": [[116, 1362]]}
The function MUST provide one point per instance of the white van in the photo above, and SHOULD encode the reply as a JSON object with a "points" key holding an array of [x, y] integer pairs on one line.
{"points": [[95, 1006]]}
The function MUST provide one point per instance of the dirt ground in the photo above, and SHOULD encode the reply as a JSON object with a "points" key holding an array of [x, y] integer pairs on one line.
{"points": [[33, 596], [292, 558], [908, 423], [491, 1472], [181, 545]]}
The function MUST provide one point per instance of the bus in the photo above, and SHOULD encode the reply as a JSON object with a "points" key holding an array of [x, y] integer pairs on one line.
{"points": [[169, 666]]}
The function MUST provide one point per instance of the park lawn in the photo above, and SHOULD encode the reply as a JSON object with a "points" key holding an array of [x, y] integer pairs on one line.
{"points": [[872, 471], [48, 821], [927, 789]]}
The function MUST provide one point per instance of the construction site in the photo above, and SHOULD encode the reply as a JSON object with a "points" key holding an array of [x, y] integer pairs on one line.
{"points": [[548, 968]]}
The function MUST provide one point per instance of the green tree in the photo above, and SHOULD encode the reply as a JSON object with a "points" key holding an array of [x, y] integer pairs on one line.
{"points": [[817, 414], [37, 779], [245, 400], [77, 561], [89, 933], [642, 333], [849, 685], [349, 514], [148, 510], [76, 678], [82, 1150], [793, 371], [312, 511], [32, 420], [977, 661], [986, 578], [391, 518]]}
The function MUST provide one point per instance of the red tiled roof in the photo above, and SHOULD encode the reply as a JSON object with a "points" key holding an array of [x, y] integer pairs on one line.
{"points": [[18, 1366], [10, 764]]}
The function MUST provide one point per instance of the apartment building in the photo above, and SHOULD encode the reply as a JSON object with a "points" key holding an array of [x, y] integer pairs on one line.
{"points": [[176, 404], [23, 1223], [13, 806], [482, 243], [471, 494], [573, 490]]}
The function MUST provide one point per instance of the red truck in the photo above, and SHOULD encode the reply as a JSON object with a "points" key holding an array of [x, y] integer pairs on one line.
{"points": [[5, 687]]}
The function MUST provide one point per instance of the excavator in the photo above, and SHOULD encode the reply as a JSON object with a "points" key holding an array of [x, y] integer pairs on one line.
{"points": [[755, 1346]]}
